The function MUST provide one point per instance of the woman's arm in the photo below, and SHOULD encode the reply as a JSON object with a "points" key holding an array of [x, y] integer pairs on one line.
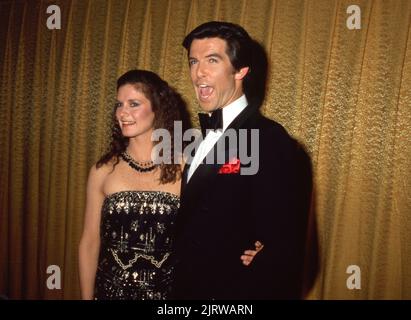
{"points": [[89, 247]]}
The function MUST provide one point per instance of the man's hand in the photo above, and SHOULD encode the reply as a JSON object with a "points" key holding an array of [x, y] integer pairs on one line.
{"points": [[249, 255]]}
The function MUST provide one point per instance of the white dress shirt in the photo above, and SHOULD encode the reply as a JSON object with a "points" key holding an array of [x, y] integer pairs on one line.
{"points": [[230, 112]]}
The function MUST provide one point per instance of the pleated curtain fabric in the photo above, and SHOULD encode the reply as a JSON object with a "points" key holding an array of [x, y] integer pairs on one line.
{"points": [[344, 94]]}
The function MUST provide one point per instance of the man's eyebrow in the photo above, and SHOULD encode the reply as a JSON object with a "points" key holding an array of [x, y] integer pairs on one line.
{"points": [[211, 55], [214, 55]]}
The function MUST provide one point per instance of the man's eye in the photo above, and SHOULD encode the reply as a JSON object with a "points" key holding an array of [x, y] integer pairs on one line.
{"points": [[213, 60], [192, 62]]}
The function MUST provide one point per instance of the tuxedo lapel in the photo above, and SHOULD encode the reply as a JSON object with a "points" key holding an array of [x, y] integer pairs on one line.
{"points": [[205, 173], [200, 179], [184, 177], [244, 115]]}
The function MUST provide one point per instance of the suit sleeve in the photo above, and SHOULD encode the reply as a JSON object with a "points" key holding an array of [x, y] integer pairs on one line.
{"points": [[281, 196]]}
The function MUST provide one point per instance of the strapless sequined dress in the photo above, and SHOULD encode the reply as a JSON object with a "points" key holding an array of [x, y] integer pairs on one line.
{"points": [[136, 241]]}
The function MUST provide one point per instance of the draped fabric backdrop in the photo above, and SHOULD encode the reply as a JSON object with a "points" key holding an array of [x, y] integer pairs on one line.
{"points": [[344, 94]]}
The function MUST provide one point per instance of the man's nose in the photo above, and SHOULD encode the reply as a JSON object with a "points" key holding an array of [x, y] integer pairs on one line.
{"points": [[201, 70]]}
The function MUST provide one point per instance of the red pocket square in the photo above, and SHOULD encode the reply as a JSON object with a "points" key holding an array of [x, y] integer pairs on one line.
{"points": [[231, 167]]}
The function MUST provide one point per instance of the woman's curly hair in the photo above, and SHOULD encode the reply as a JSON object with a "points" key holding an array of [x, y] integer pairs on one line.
{"points": [[167, 105]]}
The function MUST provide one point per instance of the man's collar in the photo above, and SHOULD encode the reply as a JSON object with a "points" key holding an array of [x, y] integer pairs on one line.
{"points": [[232, 110]]}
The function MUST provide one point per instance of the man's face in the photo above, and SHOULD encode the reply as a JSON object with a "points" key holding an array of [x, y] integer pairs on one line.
{"points": [[215, 80]]}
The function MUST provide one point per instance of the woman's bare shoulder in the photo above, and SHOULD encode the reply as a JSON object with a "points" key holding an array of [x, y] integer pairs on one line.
{"points": [[100, 172]]}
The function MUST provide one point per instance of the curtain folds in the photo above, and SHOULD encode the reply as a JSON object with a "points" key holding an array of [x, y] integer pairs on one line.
{"points": [[344, 94]]}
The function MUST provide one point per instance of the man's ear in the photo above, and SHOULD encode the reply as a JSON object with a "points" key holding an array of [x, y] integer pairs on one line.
{"points": [[240, 74]]}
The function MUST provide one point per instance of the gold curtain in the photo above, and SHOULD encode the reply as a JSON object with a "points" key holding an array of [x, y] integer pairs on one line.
{"points": [[345, 94]]}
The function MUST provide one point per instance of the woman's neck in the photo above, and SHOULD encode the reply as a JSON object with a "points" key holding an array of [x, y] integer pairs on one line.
{"points": [[139, 148]]}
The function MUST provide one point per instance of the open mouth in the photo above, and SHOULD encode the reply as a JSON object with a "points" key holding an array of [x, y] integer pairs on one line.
{"points": [[125, 124], [204, 91]]}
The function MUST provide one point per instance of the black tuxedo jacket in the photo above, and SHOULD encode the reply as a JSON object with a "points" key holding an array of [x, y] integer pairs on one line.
{"points": [[221, 215]]}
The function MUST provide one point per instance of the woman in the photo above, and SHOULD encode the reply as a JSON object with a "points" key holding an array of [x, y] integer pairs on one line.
{"points": [[132, 202]]}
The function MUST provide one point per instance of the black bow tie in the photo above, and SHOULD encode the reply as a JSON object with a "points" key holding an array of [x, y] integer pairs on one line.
{"points": [[213, 122]]}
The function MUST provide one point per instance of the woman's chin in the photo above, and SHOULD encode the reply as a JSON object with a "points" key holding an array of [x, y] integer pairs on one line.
{"points": [[129, 133]]}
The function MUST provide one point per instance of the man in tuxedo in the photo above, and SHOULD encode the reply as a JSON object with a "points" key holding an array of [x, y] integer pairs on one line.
{"points": [[225, 208]]}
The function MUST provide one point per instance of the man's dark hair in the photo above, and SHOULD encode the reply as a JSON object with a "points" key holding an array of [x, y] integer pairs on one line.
{"points": [[239, 43]]}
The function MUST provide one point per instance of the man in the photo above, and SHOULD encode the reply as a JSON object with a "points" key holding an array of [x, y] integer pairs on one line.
{"points": [[224, 210]]}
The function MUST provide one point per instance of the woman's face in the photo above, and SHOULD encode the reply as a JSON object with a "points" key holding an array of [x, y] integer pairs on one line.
{"points": [[133, 112]]}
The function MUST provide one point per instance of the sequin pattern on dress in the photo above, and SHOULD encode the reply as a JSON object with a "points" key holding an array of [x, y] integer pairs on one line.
{"points": [[136, 242]]}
